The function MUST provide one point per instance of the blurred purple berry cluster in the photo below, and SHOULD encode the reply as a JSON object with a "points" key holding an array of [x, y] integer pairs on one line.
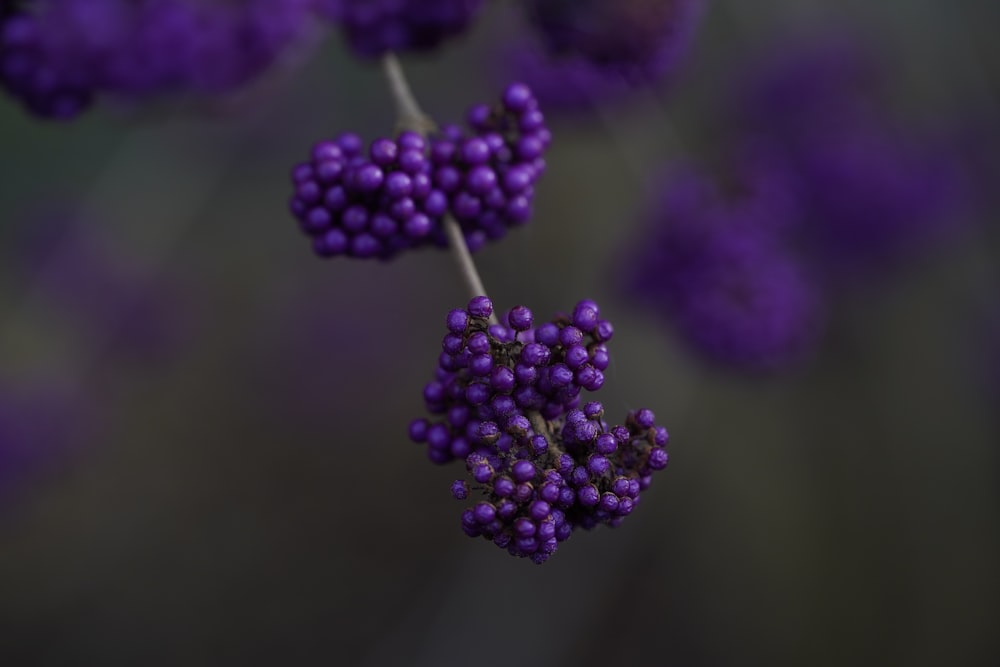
{"points": [[725, 278], [507, 398], [396, 196], [587, 51], [373, 27], [56, 55], [824, 191], [640, 39]]}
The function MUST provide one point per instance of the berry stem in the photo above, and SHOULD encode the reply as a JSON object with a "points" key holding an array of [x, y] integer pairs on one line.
{"points": [[409, 114], [412, 117]]}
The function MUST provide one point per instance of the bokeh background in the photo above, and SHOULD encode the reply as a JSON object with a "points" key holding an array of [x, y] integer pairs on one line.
{"points": [[218, 470]]}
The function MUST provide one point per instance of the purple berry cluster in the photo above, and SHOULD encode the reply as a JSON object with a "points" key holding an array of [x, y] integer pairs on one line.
{"points": [[637, 39], [824, 191], [26, 74], [55, 56], [719, 271], [373, 27], [508, 396], [395, 197]]}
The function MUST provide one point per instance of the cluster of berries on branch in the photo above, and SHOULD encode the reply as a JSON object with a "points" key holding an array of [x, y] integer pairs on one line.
{"points": [[395, 196], [507, 400]]}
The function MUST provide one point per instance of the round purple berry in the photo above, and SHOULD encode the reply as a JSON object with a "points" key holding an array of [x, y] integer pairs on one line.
{"points": [[547, 334], [418, 430], [383, 152], [535, 354], [369, 178], [480, 306], [658, 458], [585, 316], [644, 418], [484, 512], [477, 394], [609, 502], [549, 492], [605, 444], [603, 331], [504, 487], [523, 471], [520, 319], [503, 380], [570, 335], [598, 465], [398, 184], [539, 445], [539, 509], [518, 98], [457, 321], [524, 527], [588, 495], [474, 151]]}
